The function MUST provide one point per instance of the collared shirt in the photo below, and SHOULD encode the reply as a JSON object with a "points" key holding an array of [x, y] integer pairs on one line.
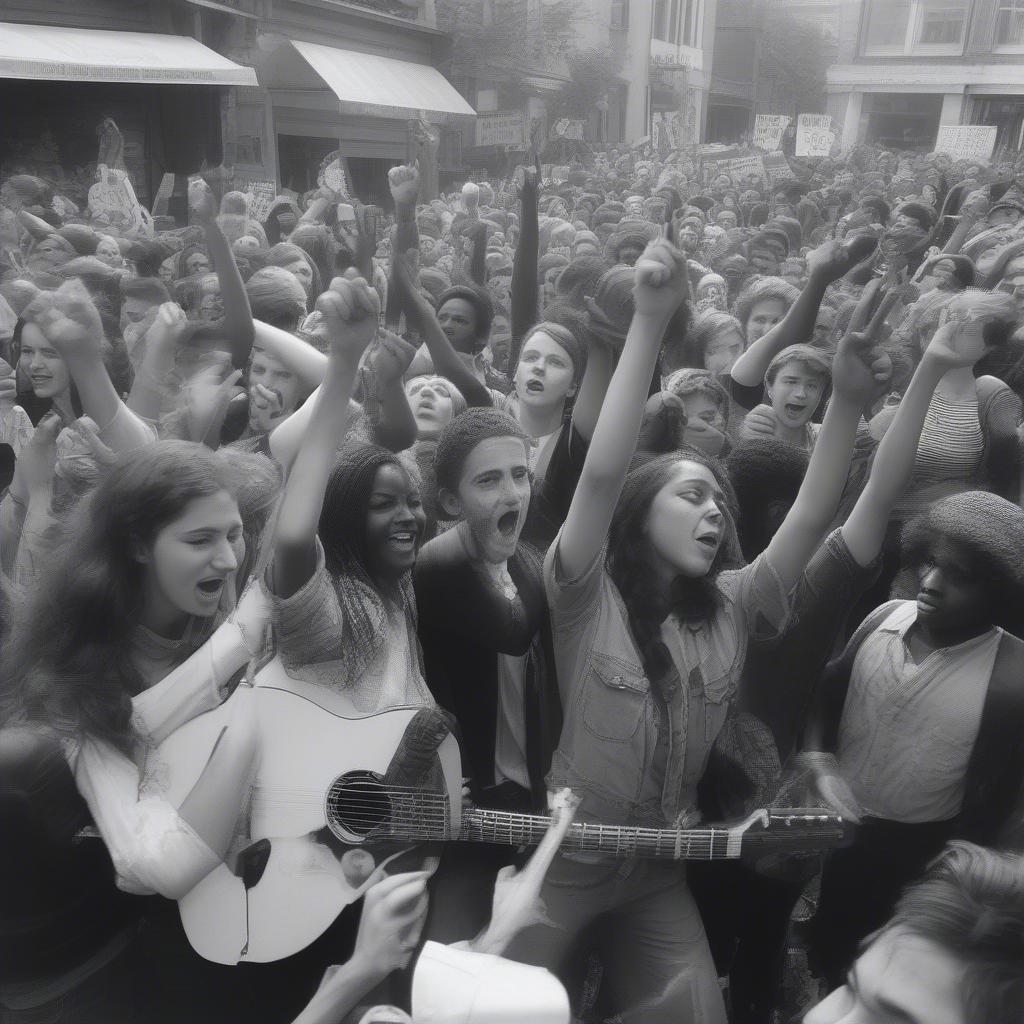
{"points": [[908, 729]]}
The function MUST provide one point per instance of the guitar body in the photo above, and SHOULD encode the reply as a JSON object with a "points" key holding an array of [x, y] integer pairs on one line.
{"points": [[281, 895]]}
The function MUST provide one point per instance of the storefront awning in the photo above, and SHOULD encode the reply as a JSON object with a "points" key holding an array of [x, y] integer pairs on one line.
{"points": [[58, 54], [384, 87]]}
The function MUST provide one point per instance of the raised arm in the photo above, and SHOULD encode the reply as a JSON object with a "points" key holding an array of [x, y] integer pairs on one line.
{"points": [[72, 325], [301, 358], [829, 262], [857, 374], [657, 293], [404, 182], [893, 463], [525, 287], [237, 328], [593, 388], [350, 308], [150, 387], [446, 360]]}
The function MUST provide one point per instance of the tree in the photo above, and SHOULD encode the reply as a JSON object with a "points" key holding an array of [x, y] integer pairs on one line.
{"points": [[593, 74]]}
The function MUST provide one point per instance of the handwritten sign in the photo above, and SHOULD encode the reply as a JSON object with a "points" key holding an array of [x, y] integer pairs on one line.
{"points": [[967, 141], [814, 135], [742, 168], [332, 174], [261, 198], [776, 166], [769, 129], [501, 129]]}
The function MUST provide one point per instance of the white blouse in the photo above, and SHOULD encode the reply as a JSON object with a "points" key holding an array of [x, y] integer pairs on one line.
{"points": [[152, 848]]}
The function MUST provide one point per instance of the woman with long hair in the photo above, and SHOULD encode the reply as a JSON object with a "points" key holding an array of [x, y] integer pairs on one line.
{"points": [[652, 611]]}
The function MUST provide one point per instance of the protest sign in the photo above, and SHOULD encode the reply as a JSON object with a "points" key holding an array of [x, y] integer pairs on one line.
{"points": [[501, 129], [741, 168], [261, 195], [769, 129], [567, 128], [967, 141], [776, 166], [163, 195], [814, 135], [332, 174]]}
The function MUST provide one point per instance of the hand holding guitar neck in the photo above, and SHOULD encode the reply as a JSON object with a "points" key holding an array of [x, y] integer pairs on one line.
{"points": [[517, 903]]}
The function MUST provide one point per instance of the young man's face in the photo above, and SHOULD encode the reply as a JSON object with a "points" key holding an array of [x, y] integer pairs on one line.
{"points": [[795, 394], [493, 496], [952, 592], [265, 413], [899, 978], [458, 321]]}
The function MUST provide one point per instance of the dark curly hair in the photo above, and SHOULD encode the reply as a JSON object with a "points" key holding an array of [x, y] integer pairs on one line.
{"points": [[630, 557]]}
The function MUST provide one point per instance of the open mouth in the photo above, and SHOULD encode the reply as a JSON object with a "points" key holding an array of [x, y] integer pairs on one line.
{"points": [[534, 385], [708, 541], [404, 540], [507, 523], [211, 587], [795, 411]]}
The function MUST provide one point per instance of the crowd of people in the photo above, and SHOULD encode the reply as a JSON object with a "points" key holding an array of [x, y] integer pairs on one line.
{"points": [[691, 496]]}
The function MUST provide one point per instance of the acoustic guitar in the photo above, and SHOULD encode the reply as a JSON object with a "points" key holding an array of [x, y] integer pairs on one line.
{"points": [[322, 818]]}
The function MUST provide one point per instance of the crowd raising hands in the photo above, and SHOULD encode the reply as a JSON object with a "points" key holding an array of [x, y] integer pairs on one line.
{"points": [[645, 517]]}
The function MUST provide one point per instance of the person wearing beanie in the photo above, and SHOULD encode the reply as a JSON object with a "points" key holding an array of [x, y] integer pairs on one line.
{"points": [[626, 244]]}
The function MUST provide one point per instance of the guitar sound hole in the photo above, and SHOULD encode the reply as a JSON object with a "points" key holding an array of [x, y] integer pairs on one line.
{"points": [[357, 806]]}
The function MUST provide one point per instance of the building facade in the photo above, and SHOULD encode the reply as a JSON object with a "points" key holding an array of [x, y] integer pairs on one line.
{"points": [[267, 88], [905, 67]]}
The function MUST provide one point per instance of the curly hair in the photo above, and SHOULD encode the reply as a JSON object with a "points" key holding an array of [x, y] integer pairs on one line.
{"points": [[630, 556]]}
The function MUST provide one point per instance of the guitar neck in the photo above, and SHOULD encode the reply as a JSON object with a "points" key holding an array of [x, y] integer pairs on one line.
{"points": [[480, 825]]}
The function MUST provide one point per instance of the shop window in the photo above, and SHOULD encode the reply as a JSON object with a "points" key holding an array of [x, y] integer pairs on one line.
{"points": [[901, 120], [486, 97], [1010, 26], [916, 27]]}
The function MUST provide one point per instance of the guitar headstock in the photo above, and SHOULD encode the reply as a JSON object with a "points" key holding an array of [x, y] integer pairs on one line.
{"points": [[799, 829]]}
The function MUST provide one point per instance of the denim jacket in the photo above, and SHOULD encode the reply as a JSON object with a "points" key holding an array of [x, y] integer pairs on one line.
{"points": [[609, 752]]}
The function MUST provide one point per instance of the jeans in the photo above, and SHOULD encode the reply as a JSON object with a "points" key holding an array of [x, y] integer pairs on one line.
{"points": [[650, 933]]}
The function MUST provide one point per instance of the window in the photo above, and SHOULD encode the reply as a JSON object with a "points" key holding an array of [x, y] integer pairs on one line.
{"points": [[907, 27], [620, 15], [486, 97], [1010, 26]]}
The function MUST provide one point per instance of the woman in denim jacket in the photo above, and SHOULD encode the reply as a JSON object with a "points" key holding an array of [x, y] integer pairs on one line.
{"points": [[650, 635]]}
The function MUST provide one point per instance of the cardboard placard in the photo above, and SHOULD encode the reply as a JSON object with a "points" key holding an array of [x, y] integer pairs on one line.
{"points": [[261, 198], [814, 135], [743, 167], [769, 129], [776, 166], [568, 128], [967, 141], [501, 129]]}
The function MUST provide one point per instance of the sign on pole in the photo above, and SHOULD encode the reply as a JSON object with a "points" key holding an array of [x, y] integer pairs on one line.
{"points": [[814, 135], [769, 129], [967, 141], [501, 129]]}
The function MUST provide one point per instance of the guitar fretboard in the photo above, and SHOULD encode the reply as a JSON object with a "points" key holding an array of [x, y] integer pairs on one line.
{"points": [[501, 827]]}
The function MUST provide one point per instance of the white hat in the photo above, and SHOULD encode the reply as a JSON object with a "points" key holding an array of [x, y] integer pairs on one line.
{"points": [[455, 986]]}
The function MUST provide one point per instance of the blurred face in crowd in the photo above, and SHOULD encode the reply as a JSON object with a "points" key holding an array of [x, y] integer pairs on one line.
{"points": [[44, 365], [500, 342], [723, 350], [394, 524], [266, 412], [197, 263], [493, 496], [211, 307], [137, 316], [190, 559], [764, 315], [823, 327], [688, 238], [109, 252], [944, 273], [458, 321], [302, 270], [902, 978], [544, 376], [551, 276], [430, 399], [1013, 284], [764, 261]]}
